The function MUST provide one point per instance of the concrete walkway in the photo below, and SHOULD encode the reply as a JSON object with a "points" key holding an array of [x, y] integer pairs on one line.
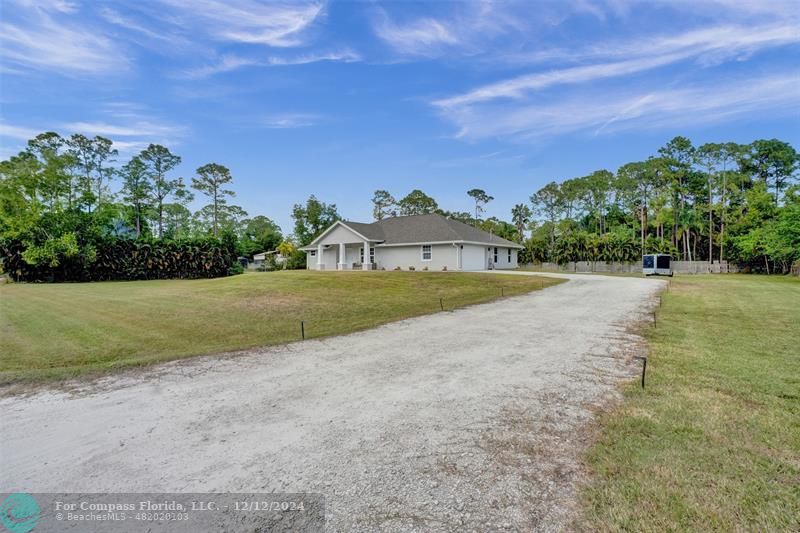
{"points": [[460, 420]]}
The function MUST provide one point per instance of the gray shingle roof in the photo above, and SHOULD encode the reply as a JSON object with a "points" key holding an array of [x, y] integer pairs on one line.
{"points": [[425, 228], [370, 231]]}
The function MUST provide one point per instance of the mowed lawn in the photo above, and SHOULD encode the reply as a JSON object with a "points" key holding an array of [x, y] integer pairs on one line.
{"points": [[713, 443], [62, 330]]}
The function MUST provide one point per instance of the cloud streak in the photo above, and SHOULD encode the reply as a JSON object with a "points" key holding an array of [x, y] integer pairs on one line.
{"points": [[425, 36], [464, 31], [519, 86], [695, 105], [283, 121], [34, 39], [136, 128], [126, 124], [229, 63], [709, 45], [275, 24], [131, 24], [343, 56], [20, 133]]}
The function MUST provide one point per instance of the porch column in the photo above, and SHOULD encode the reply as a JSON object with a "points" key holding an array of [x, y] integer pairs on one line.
{"points": [[342, 255], [320, 262], [366, 264]]}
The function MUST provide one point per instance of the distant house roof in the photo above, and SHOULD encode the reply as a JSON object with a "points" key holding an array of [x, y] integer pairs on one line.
{"points": [[416, 229]]}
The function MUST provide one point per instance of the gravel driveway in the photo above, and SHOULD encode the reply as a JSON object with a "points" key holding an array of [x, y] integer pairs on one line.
{"points": [[465, 420]]}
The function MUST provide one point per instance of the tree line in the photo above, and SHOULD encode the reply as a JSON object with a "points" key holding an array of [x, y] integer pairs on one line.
{"points": [[716, 202], [65, 201]]}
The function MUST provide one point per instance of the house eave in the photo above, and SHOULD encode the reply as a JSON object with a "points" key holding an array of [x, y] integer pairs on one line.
{"points": [[420, 243], [313, 244], [479, 243]]}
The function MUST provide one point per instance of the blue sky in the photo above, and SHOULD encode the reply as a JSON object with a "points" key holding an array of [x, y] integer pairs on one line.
{"points": [[341, 98]]}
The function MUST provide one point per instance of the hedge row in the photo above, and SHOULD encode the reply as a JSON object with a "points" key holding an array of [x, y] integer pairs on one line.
{"points": [[126, 259]]}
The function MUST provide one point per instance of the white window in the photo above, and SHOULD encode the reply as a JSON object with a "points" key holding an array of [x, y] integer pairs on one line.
{"points": [[312, 253], [427, 252], [495, 254], [509, 255], [371, 254]]}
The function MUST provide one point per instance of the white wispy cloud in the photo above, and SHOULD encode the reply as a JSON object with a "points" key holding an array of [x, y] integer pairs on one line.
{"points": [[136, 128], [277, 24], [131, 128], [467, 28], [709, 45], [290, 120], [521, 85], [19, 133], [424, 36], [34, 39], [342, 56], [146, 29], [228, 63], [127, 124], [783, 9], [60, 6], [700, 104]]}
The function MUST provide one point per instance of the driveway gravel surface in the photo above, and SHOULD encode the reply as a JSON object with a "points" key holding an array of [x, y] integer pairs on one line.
{"points": [[469, 420]]}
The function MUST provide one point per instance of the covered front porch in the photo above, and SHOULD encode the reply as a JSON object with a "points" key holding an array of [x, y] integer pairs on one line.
{"points": [[346, 256]]}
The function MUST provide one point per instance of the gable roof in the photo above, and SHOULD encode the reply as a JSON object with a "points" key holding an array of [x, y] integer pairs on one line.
{"points": [[370, 231], [416, 229]]}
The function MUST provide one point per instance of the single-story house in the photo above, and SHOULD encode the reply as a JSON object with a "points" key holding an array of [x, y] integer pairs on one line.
{"points": [[418, 241], [259, 259]]}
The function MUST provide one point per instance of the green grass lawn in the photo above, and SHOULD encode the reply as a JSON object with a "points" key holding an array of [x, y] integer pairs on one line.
{"points": [[62, 330], [713, 443]]}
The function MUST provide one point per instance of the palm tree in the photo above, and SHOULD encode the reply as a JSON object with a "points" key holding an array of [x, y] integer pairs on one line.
{"points": [[286, 249], [521, 216]]}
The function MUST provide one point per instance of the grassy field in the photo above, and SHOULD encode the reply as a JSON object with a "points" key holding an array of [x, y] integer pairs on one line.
{"points": [[62, 330], [713, 443]]}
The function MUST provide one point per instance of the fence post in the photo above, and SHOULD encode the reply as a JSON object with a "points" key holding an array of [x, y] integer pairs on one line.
{"points": [[303, 329], [644, 369], [644, 366], [441, 304]]}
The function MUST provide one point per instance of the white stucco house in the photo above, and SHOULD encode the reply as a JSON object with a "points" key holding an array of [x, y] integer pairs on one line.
{"points": [[419, 241]]}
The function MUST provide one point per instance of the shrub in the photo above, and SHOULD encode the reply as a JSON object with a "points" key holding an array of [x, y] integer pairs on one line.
{"points": [[121, 259], [397, 268], [411, 268]]}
